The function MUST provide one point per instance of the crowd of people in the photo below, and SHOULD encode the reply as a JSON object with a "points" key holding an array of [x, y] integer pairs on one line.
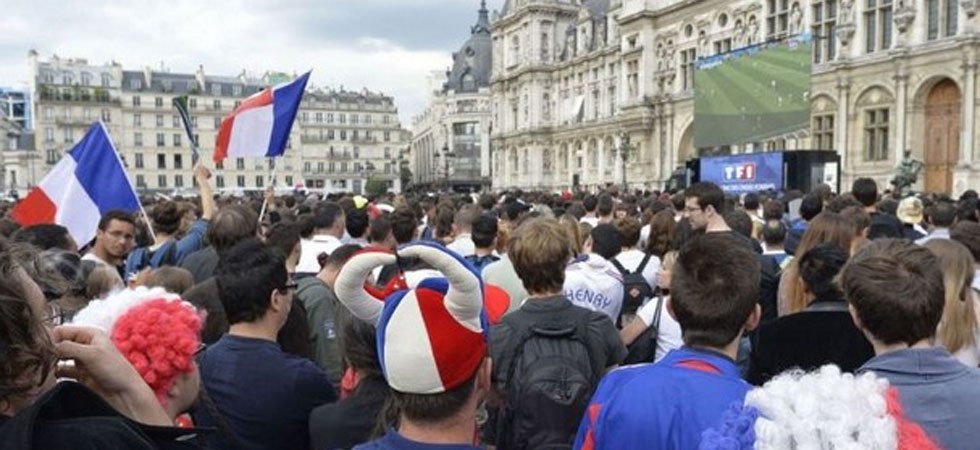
{"points": [[518, 320]]}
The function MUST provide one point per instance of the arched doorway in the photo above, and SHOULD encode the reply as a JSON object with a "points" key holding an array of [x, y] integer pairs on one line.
{"points": [[942, 136]]}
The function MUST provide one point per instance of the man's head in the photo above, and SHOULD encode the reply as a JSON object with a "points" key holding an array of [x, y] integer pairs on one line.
{"points": [[231, 225], [487, 202], [968, 234], [895, 289], [357, 222], [404, 225], [703, 203], [167, 217], [773, 210], [539, 250], [379, 232], [942, 214], [116, 236], [629, 231], [811, 206], [606, 241], [774, 233], [715, 290], [751, 201], [46, 237], [485, 232], [464, 218], [605, 205], [865, 190], [328, 219], [285, 238], [254, 286], [334, 262], [590, 203], [819, 267], [739, 221]]}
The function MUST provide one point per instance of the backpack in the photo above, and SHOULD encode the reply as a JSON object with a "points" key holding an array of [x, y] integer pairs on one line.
{"points": [[636, 290], [644, 347], [163, 256], [550, 380], [479, 262]]}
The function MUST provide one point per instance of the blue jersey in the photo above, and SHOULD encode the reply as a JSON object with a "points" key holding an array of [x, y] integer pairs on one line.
{"points": [[666, 405]]}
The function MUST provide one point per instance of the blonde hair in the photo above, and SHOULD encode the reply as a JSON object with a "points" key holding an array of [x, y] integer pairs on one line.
{"points": [[570, 225], [958, 326], [540, 251]]}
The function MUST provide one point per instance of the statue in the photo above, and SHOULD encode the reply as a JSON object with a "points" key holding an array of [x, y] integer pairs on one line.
{"points": [[844, 14], [796, 19], [906, 174]]}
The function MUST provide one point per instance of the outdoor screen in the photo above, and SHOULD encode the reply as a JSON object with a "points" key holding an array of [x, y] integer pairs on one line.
{"points": [[753, 93], [751, 172]]}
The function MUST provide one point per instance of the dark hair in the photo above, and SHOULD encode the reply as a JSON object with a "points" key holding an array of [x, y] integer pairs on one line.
{"points": [[341, 254], [44, 237], [774, 232], [942, 214], [677, 201], [8, 227], [968, 209], [751, 201], [357, 222], [283, 237], [326, 215], [444, 221], [606, 240], [605, 205], [404, 225], [708, 194], [247, 277], [289, 201], [28, 355], [231, 225], [484, 231], [810, 206], [773, 210], [714, 288], [842, 202], [204, 296], [683, 233], [577, 210], [819, 267], [166, 217], [487, 202], [888, 206], [116, 214], [590, 203], [865, 190], [432, 408], [968, 234], [897, 289], [176, 280], [739, 221], [379, 229]]}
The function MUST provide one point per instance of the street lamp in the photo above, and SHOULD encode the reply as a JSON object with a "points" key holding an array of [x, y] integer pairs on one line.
{"points": [[625, 151], [446, 154]]}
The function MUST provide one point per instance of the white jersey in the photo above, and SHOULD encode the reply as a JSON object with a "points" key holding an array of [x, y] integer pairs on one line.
{"points": [[594, 283]]}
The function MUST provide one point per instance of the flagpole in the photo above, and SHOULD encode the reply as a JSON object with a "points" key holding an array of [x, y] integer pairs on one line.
{"points": [[272, 184], [146, 217]]}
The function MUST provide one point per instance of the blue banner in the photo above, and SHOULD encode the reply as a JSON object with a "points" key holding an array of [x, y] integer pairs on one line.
{"points": [[750, 172]]}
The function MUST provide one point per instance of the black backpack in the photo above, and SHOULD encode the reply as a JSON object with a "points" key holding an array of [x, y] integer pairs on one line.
{"points": [[550, 381], [636, 290]]}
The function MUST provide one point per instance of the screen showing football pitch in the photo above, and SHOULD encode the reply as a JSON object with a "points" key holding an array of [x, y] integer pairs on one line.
{"points": [[753, 93]]}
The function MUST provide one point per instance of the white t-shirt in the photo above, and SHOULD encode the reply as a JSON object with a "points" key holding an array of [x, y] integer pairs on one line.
{"points": [[669, 334], [312, 248], [463, 244], [595, 284], [631, 259], [594, 221], [92, 257], [644, 236]]}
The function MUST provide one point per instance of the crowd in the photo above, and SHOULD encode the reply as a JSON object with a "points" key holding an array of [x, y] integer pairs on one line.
{"points": [[521, 320]]}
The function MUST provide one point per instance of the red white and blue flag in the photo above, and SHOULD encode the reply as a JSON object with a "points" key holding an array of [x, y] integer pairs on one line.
{"points": [[260, 125], [89, 181]]}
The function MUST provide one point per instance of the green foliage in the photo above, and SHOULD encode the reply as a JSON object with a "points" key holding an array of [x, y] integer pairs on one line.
{"points": [[375, 186]]}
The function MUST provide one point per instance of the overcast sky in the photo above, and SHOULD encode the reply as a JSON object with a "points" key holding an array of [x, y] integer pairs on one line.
{"points": [[386, 45]]}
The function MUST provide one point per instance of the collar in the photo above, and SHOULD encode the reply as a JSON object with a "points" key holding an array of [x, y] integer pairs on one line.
{"points": [[324, 238], [915, 363], [703, 360], [940, 232], [555, 302], [392, 439]]}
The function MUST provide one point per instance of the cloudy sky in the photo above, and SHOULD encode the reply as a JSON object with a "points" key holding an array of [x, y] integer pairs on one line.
{"points": [[386, 45]]}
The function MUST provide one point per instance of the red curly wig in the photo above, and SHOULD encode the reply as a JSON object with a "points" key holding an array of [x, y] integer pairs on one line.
{"points": [[159, 338]]}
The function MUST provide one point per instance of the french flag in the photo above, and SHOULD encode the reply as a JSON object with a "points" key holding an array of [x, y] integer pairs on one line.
{"points": [[88, 182], [260, 125]]}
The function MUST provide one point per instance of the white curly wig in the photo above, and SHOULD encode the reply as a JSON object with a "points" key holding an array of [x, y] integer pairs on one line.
{"points": [[102, 314]]}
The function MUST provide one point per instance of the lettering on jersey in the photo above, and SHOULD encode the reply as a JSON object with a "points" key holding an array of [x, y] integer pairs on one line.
{"points": [[592, 299]]}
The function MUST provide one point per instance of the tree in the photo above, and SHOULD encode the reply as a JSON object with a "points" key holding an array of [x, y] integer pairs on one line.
{"points": [[375, 187]]}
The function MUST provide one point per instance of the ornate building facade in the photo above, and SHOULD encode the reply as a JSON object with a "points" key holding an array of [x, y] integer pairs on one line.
{"points": [[573, 81], [451, 139]]}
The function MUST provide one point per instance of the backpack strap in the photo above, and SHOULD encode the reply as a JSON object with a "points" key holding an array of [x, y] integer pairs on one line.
{"points": [[643, 264], [622, 270], [656, 324]]}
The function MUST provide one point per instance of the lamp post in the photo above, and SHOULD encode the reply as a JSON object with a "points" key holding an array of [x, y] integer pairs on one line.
{"points": [[446, 154], [625, 151]]}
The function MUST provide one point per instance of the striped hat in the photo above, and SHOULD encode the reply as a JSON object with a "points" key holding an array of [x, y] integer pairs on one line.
{"points": [[432, 338]]}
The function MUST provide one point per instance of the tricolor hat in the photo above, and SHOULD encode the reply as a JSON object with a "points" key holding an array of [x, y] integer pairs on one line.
{"points": [[432, 338], [825, 409]]}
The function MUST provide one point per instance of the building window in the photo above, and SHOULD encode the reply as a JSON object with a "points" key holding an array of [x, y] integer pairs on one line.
{"points": [[138, 139], [876, 134], [342, 118], [236, 90], [161, 181], [158, 102], [289, 180], [240, 181], [723, 46], [159, 121], [777, 19], [330, 135], [192, 103], [259, 181], [219, 181], [343, 135], [137, 120], [386, 120], [240, 163], [161, 161], [136, 101], [688, 58], [824, 29], [387, 136], [106, 116], [217, 105], [319, 167], [69, 136], [367, 119], [161, 140], [138, 160], [878, 25], [140, 182], [106, 80], [942, 15], [307, 167], [354, 119], [49, 135], [176, 139], [216, 89], [178, 161], [823, 131], [178, 181], [217, 123]]}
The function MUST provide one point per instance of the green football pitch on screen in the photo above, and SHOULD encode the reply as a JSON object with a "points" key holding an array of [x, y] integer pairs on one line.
{"points": [[752, 94]]}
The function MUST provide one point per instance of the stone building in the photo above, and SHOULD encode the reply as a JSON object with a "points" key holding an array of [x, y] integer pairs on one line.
{"points": [[572, 79], [451, 142], [137, 109]]}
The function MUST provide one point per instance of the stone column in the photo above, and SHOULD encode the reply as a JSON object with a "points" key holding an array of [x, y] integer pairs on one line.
{"points": [[901, 106], [843, 94], [601, 153], [969, 111]]}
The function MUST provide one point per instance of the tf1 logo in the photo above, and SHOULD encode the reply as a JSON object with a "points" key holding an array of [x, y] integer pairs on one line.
{"points": [[740, 172]]}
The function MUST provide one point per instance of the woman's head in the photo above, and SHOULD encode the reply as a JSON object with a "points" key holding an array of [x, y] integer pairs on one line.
{"points": [[957, 328], [167, 217], [662, 226], [828, 227], [569, 223]]}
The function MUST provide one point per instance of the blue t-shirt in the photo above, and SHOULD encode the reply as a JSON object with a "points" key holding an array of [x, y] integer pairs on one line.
{"points": [[190, 243], [664, 405], [264, 394], [394, 441]]}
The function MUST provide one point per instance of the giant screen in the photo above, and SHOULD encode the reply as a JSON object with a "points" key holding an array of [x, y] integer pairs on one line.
{"points": [[753, 93]]}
